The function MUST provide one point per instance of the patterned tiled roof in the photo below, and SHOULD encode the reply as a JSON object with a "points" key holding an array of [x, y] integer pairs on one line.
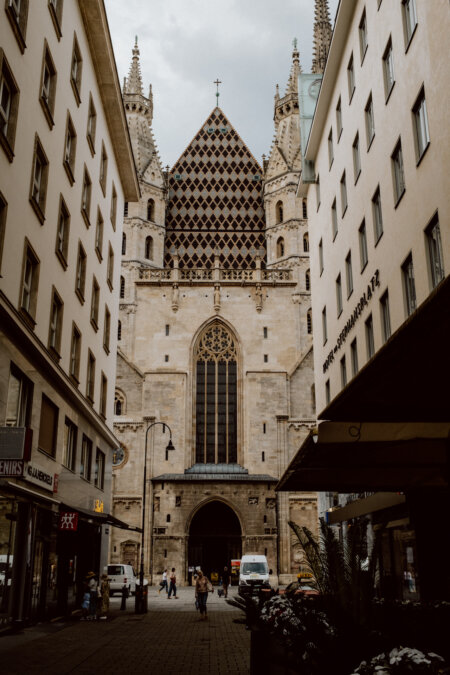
{"points": [[215, 200]]}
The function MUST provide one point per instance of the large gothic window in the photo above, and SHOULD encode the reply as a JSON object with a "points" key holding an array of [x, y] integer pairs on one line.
{"points": [[216, 396]]}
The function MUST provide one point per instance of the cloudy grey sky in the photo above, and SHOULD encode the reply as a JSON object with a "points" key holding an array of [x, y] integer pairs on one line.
{"points": [[187, 44]]}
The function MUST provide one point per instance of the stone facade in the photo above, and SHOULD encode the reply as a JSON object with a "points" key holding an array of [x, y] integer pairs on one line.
{"points": [[205, 264]]}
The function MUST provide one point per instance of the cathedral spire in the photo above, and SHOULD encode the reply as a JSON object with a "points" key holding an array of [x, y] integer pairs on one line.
{"points": [[296, 69], [322, 36], [134, 81]]}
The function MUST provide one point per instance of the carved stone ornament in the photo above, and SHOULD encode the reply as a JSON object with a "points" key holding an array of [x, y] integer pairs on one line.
{"points": [[175, 297], [217, 298], [259, 297]]}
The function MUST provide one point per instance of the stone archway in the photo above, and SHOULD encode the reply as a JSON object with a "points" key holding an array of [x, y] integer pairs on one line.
{"points": [[215, 538]]}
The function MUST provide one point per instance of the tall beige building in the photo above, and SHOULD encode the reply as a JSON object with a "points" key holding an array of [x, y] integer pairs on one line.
{"points": [[62, 130], [215, 341], [378, 153]]}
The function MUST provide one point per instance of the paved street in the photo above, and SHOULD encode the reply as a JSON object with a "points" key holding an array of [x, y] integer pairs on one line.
{"points": [[170, 639]]}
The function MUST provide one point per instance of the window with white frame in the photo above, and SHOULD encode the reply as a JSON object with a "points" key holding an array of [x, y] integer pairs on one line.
{"points": [[363, 43], [39, 178], [95, 301], [19, 399], [344, 202], [17, 13], [70, 150], [86, 458], [30, 282], [409, 19], [76, 70], [9, 104], [48, 86], [385, 316], [421, 130], [377, 215], [56, 321], [339, 119], [75, 351], [409, 285], [86, 197], [334, 219], [80, 280], [356, 158], [388, 69], [90, 378], [339, 295], [354, 356], [349, 273], [110, 267], [70, 444], [99, 475], [351, 78], [103, 169], [56, 9], [362, 236], [370, 345], [435, 255], [370, 121], [398, 172], [99, 236], [91, 125], [62, 233]]}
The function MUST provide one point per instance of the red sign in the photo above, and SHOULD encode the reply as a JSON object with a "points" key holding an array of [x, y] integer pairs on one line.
{"points": [[68, 520], [11, 467]]}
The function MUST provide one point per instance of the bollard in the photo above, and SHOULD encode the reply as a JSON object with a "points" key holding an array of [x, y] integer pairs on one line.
{"points": [[123, 604]]}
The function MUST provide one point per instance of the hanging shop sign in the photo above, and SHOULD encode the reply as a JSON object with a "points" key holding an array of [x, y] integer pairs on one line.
{"points": [[68, 520], [35, 474], [98, 505], [11, 467]]}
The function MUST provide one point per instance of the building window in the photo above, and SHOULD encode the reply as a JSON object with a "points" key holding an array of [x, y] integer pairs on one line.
{"points": [[305, 243], [149, 248], [354, 356], [56, 321], [339, 295], [349, 273], [388, 69], [321, 257], [363, 255], [106, 330], [351, 78], [304, 209], [409, 285], [103, 394], [370, 346], [377, 215], [95, 301], [151, 210], [86, 458], [125, 209], [421, 131], [398, 173], [409, 20], [30, 282], [99, 236], [435, 256], [168, 330], [17, 12], [266, 358], [70, 445], [20, 398], [113, 212], [75, 71], [324, 325], [99, 474], [124, 243], [91, 125], [370, 121], [119, 331], [122, 287], [90, 377], [103, 169], [75, 351], [3, 212], [86, 197], [81, 273], [110, 268], [70, 150], [216, 396], [363, 44], [307, 280], [280, 247], [339, 118], [279, 212], [385, 316], [318, 192], [56, 7], [39, 177], [327, 392], [62, 233], [343, 372], [9, 106], [119, 403], [48, 426], [330, 149], [344, 202], [356, 158], [48, 86], [334, 220], [309, 322]]}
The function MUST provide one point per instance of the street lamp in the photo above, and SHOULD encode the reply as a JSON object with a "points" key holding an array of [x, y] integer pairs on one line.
{"points": [[141, 607]]}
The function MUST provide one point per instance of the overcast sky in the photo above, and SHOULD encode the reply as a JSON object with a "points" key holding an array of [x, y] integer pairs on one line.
{"points": [[187, 44]]}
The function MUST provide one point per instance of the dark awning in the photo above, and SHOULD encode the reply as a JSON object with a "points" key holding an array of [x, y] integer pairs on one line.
{"points": [[100, 518]]}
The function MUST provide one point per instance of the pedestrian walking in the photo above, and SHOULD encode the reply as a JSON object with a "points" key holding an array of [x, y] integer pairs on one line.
{"points": [[172, 585], [104, 592], [225, 581], [85, 602], [163, 582], [93, 594], [203, 586]]}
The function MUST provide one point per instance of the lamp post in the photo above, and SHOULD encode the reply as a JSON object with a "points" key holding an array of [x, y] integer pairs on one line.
{"points": [[140, 606]]}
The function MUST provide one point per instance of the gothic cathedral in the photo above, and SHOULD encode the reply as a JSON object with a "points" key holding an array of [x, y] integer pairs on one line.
{"points": [[215, 342]]}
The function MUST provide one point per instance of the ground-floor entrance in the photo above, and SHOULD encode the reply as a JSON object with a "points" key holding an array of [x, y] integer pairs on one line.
{"points": [[215, 538]]}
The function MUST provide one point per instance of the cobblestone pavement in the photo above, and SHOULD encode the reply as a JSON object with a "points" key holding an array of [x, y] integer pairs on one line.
{"points": [[169, 639]]}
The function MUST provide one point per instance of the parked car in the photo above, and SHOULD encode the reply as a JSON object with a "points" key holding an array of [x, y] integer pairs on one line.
{"points": [[119, 576]]}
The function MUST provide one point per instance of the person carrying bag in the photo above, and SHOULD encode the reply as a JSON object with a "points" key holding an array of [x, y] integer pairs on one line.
{"points": [[203, 586]]}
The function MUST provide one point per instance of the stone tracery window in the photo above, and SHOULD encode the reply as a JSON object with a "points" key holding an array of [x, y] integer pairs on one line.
{"points": [[216, 396], [119, 403]]}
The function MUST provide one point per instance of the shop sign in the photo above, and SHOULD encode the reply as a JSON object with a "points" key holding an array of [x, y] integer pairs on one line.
{"points": [[15, 442], [11, 467], [68, 520], [35, 474]]}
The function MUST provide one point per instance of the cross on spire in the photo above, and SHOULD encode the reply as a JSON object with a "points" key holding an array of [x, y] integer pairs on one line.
{"points": [[217, 82]]}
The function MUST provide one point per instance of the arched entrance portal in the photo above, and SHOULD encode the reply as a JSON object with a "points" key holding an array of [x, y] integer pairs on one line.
{"points": [[214, 538]]}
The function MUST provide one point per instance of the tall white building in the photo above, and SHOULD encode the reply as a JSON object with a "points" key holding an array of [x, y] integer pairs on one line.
{"points": [[66, 168]]}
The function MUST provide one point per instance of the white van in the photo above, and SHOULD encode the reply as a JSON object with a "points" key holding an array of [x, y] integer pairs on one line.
{"points": [[119, 576], [253, 574]]}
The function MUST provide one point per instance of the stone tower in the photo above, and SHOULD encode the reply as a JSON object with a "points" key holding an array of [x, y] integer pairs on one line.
{"points": [[322, 36], [214, 343]]}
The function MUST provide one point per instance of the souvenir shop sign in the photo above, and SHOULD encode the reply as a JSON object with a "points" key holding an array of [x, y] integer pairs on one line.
{"points": [[11, 467], [68, 520], [39, 476]]}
